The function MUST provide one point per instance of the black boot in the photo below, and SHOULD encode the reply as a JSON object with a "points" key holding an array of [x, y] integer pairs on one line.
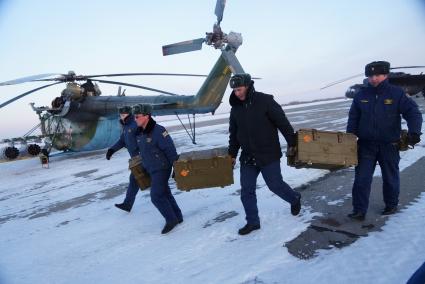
{"points": [[357, 216], [123, 206], [296, 207], [389, 210], [248, 228], [168, 227]]}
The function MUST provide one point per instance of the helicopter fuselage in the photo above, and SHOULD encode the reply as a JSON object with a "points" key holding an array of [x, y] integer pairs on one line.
{"points": [[91, 122]]}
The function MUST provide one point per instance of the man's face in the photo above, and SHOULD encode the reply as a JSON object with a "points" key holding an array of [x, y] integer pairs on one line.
{"points": [[375, 80], [240, 92], [141, 119], [123, 115]]}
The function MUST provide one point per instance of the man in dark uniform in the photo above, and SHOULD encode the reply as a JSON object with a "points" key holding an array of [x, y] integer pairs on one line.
{"points": [[255, 119], [158, 154], [128, 140], [375, 117]]}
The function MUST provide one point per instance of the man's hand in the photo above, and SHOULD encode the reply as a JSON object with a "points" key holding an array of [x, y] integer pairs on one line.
{"points": [[291, 151], [413, 139], [109, 154], [294, 139]]}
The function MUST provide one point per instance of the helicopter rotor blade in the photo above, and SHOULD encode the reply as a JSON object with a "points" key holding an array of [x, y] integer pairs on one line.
{"points": [[26, 93], [143, 74], [219, 9], [341, 81], [135, 86], [184, 46], [233, 61], [407, 67], [358, 75], [28, 79]]}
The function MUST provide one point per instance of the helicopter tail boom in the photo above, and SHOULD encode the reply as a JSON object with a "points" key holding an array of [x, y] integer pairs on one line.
{"points": [[212, 90]]}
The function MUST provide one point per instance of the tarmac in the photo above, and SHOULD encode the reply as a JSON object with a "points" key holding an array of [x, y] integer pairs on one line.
{"points": [[331, 198]]}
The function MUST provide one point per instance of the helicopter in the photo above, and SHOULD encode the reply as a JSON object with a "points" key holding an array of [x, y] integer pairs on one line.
{"points": [[82, 119], [411, 84]]}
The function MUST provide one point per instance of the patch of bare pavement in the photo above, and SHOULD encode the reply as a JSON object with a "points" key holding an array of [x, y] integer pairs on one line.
{"points": [[331, 197]]}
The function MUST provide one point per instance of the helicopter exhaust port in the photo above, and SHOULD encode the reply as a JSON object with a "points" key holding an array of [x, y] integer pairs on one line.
{"points": [[33, 149], [9, 153]]}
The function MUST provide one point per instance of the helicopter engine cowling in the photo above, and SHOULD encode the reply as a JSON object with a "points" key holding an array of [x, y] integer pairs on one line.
{"points": [[9, 153], [73, 91]]}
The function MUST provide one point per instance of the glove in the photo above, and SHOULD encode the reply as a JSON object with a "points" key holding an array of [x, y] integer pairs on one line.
{"points": [[109, 153], [413, 139]]}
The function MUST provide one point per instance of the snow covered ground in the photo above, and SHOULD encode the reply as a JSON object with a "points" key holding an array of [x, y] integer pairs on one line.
{"points": [[59, 225]]}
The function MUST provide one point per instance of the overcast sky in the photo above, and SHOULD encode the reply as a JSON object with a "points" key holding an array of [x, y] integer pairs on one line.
{"points": [[295, 46]]}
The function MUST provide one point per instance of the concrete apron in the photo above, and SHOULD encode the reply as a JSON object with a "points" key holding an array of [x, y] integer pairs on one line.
{"points": [[331, 197]]}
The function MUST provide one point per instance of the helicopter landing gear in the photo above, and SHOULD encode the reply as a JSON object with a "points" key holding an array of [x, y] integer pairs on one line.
{"points": [[192, 128], [44, 158]]}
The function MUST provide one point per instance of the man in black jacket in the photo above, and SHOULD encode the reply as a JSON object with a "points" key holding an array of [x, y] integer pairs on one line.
{"points": [[255, 119]]}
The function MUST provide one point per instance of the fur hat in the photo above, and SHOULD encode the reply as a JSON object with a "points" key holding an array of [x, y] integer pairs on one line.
{"points": [[239, 80], [142, 109], [124, 109], [377, 68]]}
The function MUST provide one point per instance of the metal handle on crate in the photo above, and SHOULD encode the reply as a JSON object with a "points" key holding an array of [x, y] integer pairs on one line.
{"points": [[189, 164], [339, 135], [215, 162], [314, 134]]}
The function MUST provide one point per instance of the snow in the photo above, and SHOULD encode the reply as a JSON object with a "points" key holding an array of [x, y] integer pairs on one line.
{"points": [[59, 225], [336, 202], [391, 256]]}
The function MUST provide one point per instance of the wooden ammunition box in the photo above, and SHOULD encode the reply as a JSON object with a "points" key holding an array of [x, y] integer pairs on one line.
{"points": [[142, 177], [324, 150], [203, 169]]}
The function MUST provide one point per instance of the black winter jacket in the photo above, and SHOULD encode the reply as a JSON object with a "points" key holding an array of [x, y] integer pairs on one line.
{"points": [[253, 127]]}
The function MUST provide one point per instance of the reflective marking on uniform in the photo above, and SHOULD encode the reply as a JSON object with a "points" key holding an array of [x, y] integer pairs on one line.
{"points": [[388, 101], [129, 131], [364, 101], [165, 133], [148, 140]]}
